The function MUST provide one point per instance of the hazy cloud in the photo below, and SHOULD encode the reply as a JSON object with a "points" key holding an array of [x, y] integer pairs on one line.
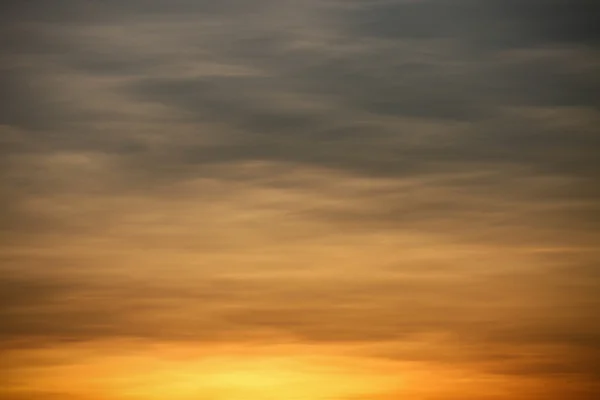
{"points": [[415, 178]]}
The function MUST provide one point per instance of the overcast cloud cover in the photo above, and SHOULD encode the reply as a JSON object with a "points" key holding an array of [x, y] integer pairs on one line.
{"points": [[413, 181]]}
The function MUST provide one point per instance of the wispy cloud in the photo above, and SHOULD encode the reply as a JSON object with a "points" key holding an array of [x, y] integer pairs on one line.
{"points": [[409, 179]]}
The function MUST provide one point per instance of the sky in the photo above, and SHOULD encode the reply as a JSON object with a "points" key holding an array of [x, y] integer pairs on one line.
{"points": [[304, 200]]}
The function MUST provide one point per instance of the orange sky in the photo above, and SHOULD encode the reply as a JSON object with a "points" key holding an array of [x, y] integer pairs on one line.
{"points": [[260, 200]]}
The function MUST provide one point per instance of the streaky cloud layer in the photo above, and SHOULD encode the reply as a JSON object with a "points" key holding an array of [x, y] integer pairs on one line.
{"points": [[338, 199]]}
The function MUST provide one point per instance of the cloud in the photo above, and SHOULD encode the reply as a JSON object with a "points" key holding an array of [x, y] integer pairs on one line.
{"points": [[261, 254], [491, 24], [415, 177]]}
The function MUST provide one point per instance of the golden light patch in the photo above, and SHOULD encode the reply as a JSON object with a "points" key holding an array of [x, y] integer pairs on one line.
{"points": [[235, 373]]}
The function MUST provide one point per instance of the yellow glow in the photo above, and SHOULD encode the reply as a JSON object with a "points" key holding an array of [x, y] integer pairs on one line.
{"points": [[235, 373]]}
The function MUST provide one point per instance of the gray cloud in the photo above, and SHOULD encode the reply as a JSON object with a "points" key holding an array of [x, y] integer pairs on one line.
{"points": [[496, 24], [314, 91]]}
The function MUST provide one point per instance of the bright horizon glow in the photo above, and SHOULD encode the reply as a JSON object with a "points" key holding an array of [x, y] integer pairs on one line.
{"points": [[137, 371], [236, 372]]}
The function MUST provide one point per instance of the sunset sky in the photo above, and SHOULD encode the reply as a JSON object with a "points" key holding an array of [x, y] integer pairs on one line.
{"points": [[299, 200]]}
